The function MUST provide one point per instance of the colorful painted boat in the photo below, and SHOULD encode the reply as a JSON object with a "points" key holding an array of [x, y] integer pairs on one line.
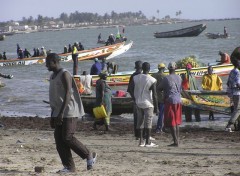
{"points": [[25, 61], [122, 78], [99, 52], [216, 101], [185, 32]]}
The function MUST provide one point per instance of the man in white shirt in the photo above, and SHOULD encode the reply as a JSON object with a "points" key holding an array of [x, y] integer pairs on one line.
{"points": [[146, 100]]}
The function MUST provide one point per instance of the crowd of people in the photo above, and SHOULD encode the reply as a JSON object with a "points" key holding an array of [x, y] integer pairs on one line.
{"points": [[157, 93]]}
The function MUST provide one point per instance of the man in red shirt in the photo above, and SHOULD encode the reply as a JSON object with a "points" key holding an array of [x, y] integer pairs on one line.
{"points": [[225, 58]]}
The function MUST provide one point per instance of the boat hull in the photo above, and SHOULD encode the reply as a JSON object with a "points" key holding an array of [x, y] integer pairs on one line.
{"points": [[121, 79], [99, 52], [185, 32]]}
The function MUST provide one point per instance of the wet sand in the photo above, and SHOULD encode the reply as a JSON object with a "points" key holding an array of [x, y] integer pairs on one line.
{"points": [[27, 142]]}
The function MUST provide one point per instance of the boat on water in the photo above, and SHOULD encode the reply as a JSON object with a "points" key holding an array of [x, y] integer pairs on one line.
{"points": [[2, 37], [184, 32], [99, 52], [122, 78], [25, 61], [216, 36]]}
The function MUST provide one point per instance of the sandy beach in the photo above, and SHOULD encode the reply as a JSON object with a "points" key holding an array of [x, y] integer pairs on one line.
{"points": [[27, 142]]}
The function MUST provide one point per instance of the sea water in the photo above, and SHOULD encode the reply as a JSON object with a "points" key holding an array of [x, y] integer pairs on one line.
{"points": [[24, 94]]}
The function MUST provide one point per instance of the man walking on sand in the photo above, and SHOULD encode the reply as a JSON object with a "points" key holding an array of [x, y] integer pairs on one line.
{"points": [[146, 99], [66, 106], [171, 86]]}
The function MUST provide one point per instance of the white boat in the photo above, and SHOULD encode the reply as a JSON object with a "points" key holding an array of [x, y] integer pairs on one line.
{"points": [[25, 61], [122, 49]]}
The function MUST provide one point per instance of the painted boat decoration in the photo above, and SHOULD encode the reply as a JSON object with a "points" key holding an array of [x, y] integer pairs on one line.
{"points": [[185, 32], [216, 101], [25, 61], [122, 78]]}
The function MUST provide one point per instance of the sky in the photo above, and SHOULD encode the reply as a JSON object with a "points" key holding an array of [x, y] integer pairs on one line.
{"points": [[191, 9]]}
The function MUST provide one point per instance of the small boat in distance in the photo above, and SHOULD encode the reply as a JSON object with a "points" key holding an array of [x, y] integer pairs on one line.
{"points": [[184, 32], [2, 37], [216, 36]]}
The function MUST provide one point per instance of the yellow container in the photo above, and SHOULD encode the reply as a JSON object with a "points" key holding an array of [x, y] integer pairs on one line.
{"points": [[99, 112]]}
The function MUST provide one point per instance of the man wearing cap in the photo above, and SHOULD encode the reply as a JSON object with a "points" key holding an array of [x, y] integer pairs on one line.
{"points": [[130, 90], [96, 67], [159, 77], [146, 100], [172, 87], [225, 58], [233, 84]]}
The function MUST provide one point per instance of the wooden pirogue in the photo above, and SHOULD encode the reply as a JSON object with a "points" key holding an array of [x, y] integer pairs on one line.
{"points": [[98, 52], [122, 78]]}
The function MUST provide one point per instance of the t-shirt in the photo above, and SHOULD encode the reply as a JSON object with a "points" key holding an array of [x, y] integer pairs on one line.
{"points": [[142, 94], [233, 80], [171, 86], [96, 68], [159, 77]]}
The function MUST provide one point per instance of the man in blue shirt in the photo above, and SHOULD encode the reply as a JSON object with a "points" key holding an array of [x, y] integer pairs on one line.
{"points": [[233, 84], [96, 67]]}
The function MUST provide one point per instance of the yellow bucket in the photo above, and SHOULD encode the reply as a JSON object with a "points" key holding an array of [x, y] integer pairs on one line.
{"points": [[99, 112]]}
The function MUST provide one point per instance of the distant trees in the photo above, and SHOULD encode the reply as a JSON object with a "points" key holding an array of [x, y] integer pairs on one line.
{"points": [[178, 13], [86, 17]]}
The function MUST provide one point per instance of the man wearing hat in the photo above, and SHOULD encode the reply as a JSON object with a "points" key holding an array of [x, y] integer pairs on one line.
{"points": [[159, 77], [96, 67], [233, 84], [130, 90], [172, 87]]}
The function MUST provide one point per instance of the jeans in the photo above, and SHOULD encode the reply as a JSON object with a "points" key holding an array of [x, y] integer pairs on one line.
{"points": [[65, 142], [160, 116]]}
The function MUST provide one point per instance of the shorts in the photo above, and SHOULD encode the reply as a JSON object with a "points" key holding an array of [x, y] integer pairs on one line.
{"points": [[172, 114], [145, 117]]}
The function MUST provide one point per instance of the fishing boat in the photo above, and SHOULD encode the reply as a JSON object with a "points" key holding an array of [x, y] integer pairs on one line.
{"points": [[215, 101], [2, 37], [99, 52], [90, 54], [216, 36], [122, 78], [25, 61], [119, 104], [184, 32]]}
